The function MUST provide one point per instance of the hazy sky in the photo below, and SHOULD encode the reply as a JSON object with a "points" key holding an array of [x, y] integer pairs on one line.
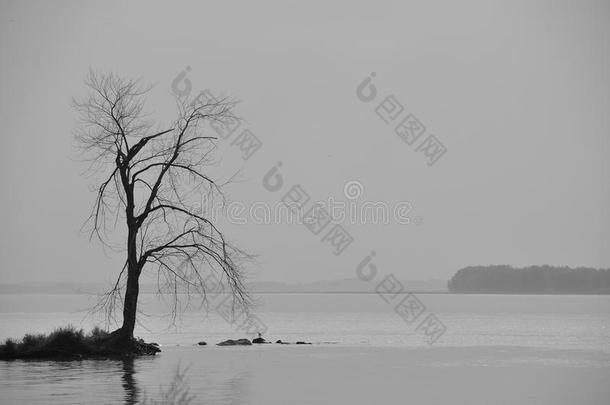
{"points": [[518, 92]]}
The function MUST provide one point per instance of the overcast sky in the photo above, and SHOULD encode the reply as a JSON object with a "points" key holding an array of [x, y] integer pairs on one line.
{"points": [[518, 92]]}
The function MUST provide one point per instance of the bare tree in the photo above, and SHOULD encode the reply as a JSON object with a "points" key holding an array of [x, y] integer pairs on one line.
{"points": [[153, 180]]}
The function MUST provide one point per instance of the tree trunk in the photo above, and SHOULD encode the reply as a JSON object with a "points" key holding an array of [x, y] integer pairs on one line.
{"points": [[132, 289], [130, 306]]}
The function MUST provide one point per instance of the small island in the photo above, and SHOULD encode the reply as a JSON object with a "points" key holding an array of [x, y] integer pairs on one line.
{"points": [[504, 279], [69, 343]]}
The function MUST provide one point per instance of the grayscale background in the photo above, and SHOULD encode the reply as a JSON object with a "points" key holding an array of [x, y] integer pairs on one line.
{"points": [[517, 92]]}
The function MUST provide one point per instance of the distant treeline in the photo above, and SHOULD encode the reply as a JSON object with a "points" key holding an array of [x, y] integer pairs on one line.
{"points": [[530, 280]]}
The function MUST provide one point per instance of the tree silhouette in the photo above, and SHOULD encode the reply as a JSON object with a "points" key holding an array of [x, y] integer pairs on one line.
{"points": [[153, 180]]}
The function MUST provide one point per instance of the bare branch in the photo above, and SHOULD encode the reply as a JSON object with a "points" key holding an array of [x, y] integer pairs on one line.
{"points": [[144, 184]]}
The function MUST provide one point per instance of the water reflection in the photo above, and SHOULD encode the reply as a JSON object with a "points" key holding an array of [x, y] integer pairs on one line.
{"points": [[129, 381], [168, 379], [236, 388]]}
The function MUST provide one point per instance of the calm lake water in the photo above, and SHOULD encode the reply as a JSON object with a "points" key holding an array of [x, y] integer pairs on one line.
{"points": [[491, 341]]}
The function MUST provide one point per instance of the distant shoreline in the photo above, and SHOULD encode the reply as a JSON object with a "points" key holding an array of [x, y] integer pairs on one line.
{"points": [[503, 279]]}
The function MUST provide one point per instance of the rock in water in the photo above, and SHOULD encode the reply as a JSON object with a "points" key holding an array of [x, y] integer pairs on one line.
{"points": [[258, 340], [202, 343], [238, 342]]}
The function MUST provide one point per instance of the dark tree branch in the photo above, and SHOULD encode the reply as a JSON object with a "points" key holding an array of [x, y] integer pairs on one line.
{"points": [[164, 233]]}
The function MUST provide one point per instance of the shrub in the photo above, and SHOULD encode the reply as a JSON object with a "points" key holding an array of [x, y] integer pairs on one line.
{"points": [[66, 337], [97, 335], [9, 348], [31, 342]]}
